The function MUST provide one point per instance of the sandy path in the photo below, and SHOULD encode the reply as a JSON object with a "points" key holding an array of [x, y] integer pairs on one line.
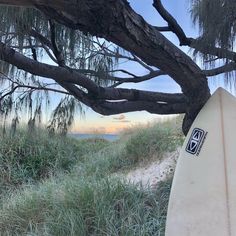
{"points": [[155, 171]]}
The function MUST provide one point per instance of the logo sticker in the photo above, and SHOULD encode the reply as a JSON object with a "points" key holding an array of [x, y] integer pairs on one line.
{"points": [[196, 141]]}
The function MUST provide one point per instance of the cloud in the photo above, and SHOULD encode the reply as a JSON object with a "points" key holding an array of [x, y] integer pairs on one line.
{"points": [[120, 117]]}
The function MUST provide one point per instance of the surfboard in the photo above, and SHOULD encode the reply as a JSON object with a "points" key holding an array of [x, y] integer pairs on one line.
{"points": [[203, 195]]}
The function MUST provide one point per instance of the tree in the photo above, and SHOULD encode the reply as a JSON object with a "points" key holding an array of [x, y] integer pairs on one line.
{"points": [[116, 22]]}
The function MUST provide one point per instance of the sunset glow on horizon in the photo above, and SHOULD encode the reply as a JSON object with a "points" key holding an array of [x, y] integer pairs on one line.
{"points": [[97, 124]]}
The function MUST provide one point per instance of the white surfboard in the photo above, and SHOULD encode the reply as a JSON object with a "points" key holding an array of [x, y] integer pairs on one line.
{"points": [[203, 194]]}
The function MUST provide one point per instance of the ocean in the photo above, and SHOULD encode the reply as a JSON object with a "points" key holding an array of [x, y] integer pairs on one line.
{"points": [[109, 137]]}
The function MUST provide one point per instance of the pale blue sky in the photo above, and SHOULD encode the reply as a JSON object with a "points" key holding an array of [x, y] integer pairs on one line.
{"points": [[112, 124]]}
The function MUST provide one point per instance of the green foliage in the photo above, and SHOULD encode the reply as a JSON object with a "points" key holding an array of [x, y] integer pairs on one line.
{"points": [[139, 146], [218, 14], [28, 31], [28, 156], [85, 207], [216, 22], [63, 115], [87, 199], [154, 141]]}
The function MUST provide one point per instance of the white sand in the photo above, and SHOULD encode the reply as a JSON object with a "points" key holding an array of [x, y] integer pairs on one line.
{"points": [[155, 171]]}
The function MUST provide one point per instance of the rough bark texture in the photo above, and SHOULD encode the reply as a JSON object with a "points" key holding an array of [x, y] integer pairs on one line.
{"points": [[116, 21]]}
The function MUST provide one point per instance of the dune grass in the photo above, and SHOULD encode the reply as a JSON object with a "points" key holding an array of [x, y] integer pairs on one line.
{"points": [[28, 157], [65, 187], [85, 207]]}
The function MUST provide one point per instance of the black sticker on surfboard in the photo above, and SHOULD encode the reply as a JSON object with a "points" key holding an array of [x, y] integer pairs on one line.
{"points": [[195, 142]]}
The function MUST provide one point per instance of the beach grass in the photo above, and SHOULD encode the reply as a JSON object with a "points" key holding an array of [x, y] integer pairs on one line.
{"points": [[67, 187]]}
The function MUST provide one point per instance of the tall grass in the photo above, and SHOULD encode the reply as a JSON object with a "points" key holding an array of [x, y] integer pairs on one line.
{"points": [[85, 207], [154, 140], [28, 157], [67, 186]]}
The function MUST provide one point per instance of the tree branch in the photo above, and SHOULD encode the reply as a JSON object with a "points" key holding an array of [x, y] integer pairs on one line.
{"points": [[59, 74], [193, 43], [222, 69], [139, 95], [172, 23], [163, 28], [95, 93], [133, 79], [56, 51], [112, 108]]}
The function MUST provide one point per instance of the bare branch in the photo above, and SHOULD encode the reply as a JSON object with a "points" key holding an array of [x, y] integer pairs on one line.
{"points": [[112, 108], [172, 23], [194, 43], [107, 52], [222, 69], [138, 79], [123, 71], [142, 63], [49, 54], [43, 40], [56, 51], [163, 28], [134, 79], [32, 88]]}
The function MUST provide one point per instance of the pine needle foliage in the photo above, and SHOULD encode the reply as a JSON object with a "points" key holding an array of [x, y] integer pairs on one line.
{"points": [[216, 21], [30, 32]]}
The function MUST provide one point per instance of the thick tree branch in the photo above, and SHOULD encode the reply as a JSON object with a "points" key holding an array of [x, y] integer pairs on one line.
{"points": [[64, 76], [120, 24], [59, 74], [134, 94], [112, 108]]}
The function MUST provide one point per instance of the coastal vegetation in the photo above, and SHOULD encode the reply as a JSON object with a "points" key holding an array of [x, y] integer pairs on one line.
{"points": [[53, 185]]}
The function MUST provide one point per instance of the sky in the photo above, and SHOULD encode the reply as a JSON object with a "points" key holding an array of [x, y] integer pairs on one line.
{"points": [[96, 123]]}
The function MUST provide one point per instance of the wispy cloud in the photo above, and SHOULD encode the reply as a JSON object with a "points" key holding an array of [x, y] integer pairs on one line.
{"points": [[120, 117]]}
